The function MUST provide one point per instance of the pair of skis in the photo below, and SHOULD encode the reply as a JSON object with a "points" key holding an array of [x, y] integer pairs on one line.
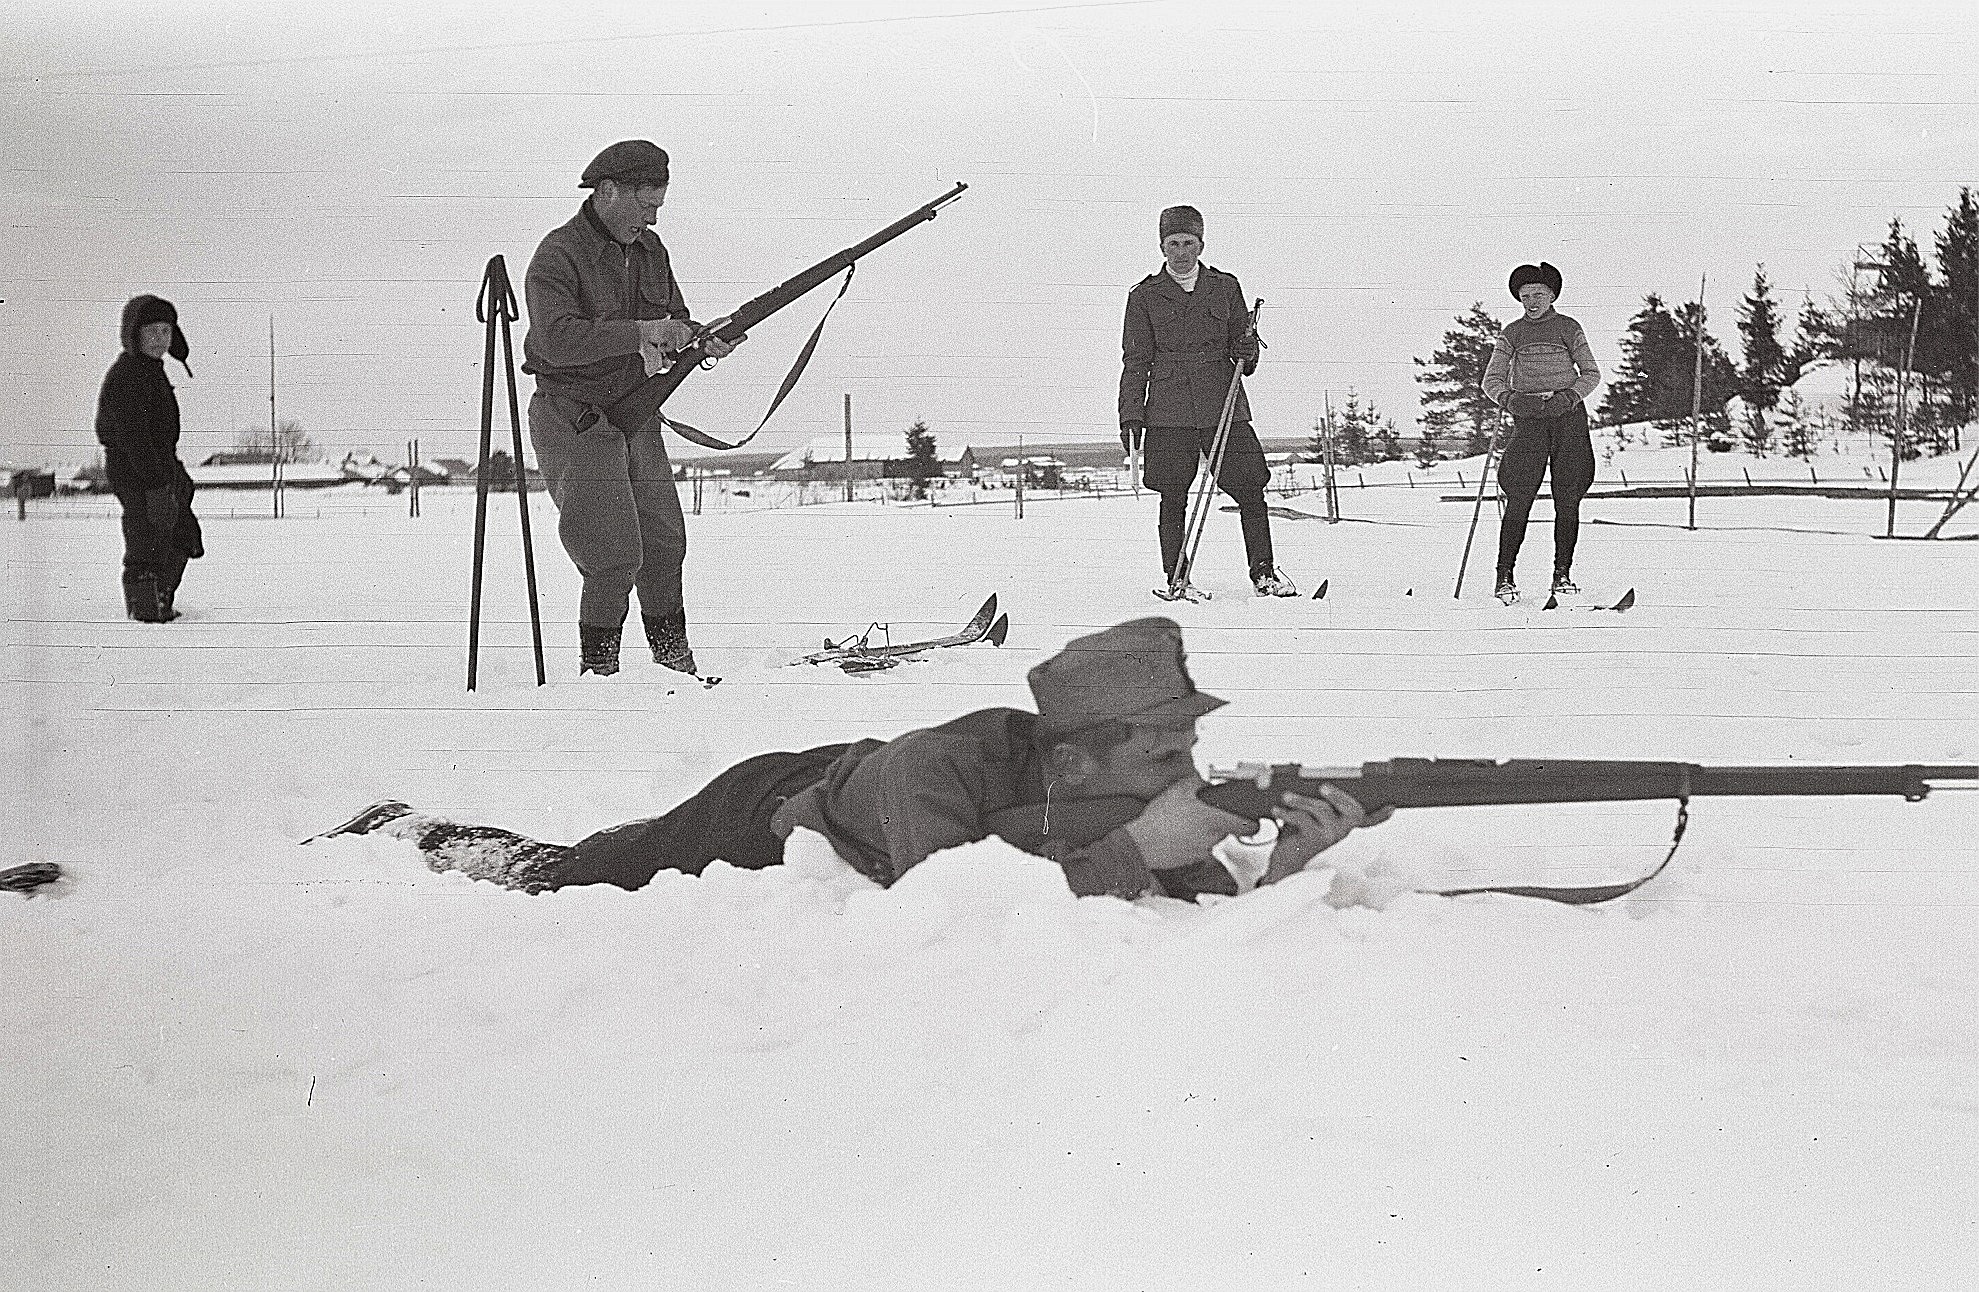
{"points": [[861, 654], [1621, 604]]}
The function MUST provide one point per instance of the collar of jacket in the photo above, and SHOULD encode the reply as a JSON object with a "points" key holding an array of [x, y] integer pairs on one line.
{"points": [[586, 220], [1164, 282]]}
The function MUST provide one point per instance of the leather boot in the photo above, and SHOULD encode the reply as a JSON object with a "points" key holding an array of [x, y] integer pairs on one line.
{"points": [[668, 637], [597, 650], [141, 600]]}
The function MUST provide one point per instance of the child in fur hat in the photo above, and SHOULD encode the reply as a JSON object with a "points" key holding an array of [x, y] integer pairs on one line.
{"points": [[137, 421]]}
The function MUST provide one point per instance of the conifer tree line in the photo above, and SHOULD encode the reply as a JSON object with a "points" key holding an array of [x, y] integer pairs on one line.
{"points": [[1928, 388]]}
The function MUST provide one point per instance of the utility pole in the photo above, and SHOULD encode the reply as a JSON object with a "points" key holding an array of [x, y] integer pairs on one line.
{"points": [[274, 436], [1896, 444], [848, 446], [1326, 456], [1696, 400]]}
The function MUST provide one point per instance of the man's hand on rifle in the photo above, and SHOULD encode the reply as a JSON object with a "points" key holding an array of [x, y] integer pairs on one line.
{"points": [[1178, 829], [660, 340], [716, 347], [1309, 826]]}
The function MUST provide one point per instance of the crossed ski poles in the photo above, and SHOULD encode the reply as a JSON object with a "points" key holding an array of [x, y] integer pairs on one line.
{"points": [[1205, 489]]}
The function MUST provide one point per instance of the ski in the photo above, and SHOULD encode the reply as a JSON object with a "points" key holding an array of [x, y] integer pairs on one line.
{"points": [[862, 655], [1623, 603], [1319, 593]]}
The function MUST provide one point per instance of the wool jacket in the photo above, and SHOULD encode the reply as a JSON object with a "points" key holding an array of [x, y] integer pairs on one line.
{"points": [[1540, 356], [1178, 350], [887, 806], [586, 292], [137, 422]]}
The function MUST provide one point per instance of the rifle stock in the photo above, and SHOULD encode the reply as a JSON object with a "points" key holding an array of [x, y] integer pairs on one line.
{"points": [[1251, 791], [635, 408]]}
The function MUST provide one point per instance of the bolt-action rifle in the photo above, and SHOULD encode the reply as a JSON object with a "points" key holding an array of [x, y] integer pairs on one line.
{"points": [[1252, 790], [635, 408]]}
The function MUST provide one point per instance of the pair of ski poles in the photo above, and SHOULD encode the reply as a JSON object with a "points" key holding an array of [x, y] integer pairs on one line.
{"points": [[1205, 490]]}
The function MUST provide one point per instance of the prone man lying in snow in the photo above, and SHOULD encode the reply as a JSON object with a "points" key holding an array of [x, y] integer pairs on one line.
{"points": [[1116, 717]]}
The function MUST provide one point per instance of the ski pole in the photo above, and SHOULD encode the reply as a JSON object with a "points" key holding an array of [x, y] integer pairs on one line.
{"points": [[1477, 507], [1206, 490]]}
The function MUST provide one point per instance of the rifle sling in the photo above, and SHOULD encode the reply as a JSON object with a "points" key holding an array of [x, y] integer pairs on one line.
{"points": [[708, 441]]}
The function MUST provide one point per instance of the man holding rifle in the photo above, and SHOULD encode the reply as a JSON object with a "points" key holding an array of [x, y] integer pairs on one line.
{"points": [[1100, 780], [604, 312]]}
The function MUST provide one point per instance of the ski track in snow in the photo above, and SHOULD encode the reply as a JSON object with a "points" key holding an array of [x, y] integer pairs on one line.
{"points": [[229, 1061]]}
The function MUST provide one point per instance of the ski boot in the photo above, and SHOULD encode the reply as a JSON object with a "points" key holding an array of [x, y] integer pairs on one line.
{"points": [[1507, 591], [668, 638], [597, 650], [1271, 582], [1563, 584]]}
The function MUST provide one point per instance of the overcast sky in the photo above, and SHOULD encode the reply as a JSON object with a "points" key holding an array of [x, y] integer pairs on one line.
{"points": [[1369, 169]]}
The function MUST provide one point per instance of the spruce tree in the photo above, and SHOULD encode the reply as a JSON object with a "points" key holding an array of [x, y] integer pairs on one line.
{"points": [[1428, 452], [1761, 373], [1452, 380], [1797, 436], [1716, 382], [1958, 310], [922, 465], [1640, 389], [1350, 439], [1385, 444]]}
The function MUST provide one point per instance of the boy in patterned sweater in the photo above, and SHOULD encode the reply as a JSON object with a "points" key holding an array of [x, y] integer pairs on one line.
{"points": [[1541, 372]]}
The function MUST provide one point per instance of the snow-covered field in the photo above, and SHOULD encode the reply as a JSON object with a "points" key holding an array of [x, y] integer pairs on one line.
{"points": [[227, 1061]]}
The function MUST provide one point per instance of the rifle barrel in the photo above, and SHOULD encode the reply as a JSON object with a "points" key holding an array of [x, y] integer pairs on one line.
{"points": [[1455, 782], [632, 410]]}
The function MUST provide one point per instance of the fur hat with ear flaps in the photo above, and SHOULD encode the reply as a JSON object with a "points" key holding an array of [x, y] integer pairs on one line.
{"points": [[140, 310], [1542, 273]]}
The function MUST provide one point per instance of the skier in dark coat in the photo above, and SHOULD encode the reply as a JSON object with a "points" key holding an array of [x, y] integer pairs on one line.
{"points": [[1186, 332], [1542, 372], [137, 421], [1099, 780]]}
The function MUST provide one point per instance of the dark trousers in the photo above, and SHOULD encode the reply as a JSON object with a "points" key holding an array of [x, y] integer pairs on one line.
{"points": [[1561, 443], [1170, 458], [154, 561], [729, 819]]}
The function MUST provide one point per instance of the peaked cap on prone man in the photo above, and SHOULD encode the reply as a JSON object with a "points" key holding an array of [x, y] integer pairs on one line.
{"points": [[1134, 672]]}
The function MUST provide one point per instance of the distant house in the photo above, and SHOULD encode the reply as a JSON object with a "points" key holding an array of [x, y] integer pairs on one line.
{"points": [[260, 475], [454, 470], [31, 482], [874, 457]]}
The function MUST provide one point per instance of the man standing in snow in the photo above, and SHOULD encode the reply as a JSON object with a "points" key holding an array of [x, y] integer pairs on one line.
{"points": [[1186, 333], [137, 421], [1100, 779], [604, 312], [1541, 372]]}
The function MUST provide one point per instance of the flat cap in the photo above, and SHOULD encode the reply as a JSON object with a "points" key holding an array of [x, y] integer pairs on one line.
{"points": [[629, 161]]}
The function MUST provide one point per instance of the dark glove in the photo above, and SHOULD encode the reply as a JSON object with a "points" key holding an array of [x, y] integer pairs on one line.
{"points": [[1520, 405], [1246, 354], [161, 508], [1130, 434]]}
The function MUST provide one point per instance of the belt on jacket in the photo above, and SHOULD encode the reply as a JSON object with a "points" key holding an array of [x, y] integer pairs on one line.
{"points": [[1190, 356]]}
